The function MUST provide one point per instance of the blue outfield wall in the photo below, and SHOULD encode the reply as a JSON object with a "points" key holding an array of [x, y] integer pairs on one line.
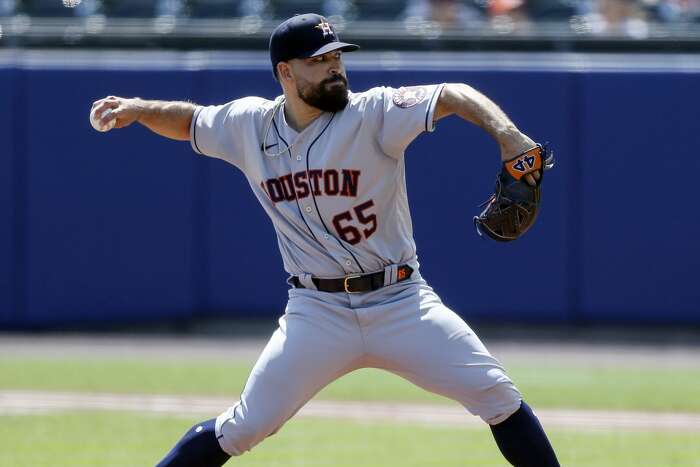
{"points": [[9, 176], [127, 227]]}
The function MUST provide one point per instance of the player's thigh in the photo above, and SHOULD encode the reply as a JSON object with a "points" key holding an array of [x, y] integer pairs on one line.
{"points": [[311, 347], [314, 344], [425, 342]]}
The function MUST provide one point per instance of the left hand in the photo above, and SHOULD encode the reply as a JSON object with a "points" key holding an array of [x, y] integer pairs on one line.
{"points": [[512, 208], [512, 145]]}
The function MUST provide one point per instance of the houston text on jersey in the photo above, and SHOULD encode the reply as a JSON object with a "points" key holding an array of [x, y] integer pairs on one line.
{"points": [[299, 185]]}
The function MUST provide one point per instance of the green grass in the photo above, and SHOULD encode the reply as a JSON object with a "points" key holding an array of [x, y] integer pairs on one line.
{"points": [[131, 440], [544, 385], [75, 439]]}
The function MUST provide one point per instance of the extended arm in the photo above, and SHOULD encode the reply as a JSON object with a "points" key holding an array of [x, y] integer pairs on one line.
{"points": [[169, 119], [471, 105]]}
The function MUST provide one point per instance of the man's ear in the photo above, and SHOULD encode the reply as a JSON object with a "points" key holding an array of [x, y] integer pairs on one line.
{"points": [[284, 71]]}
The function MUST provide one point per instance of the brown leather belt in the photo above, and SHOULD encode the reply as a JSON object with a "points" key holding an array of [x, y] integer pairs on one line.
{"points": [[355, 283]]}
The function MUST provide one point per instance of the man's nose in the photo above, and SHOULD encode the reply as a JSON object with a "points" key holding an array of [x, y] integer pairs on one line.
{"points": [[336, 66]]}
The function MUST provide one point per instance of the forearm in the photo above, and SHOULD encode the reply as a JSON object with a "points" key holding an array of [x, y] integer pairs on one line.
{"points": [[474, 107], [169, 119]]}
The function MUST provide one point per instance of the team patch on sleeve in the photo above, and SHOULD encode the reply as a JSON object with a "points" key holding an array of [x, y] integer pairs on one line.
{"points": [[410, 96]]}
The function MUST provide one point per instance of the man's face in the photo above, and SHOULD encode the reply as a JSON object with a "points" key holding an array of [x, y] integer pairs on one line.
{"points": [[321, 81]]}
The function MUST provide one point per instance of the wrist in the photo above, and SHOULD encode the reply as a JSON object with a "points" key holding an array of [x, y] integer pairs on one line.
{"points": [[140, 108], [513, 143]]}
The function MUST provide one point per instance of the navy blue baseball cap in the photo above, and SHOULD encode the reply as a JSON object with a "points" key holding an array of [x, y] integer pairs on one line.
{"points": [[304, 36]]}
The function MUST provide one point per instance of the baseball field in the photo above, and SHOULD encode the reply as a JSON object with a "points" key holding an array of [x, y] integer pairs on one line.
{"points": [[118, 401]]}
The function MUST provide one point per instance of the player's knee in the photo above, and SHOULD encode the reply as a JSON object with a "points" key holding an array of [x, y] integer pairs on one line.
{"points": [[498, 400], [241, 434]]}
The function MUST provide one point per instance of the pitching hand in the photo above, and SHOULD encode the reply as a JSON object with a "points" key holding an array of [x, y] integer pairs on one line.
{"points": [[125, 111]]}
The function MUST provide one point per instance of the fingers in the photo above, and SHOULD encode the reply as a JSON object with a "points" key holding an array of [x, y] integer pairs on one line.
{"points": [[533, 178], [108, 115], [118, 115], [104, 114], [112, 109], [100, 106], [109, 99]]}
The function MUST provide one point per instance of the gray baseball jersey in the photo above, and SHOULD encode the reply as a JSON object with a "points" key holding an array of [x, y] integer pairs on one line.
{"points": [[335, 192]]}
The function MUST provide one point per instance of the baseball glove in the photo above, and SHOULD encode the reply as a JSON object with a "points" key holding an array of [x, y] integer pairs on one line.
{"points": [[513, 208]]}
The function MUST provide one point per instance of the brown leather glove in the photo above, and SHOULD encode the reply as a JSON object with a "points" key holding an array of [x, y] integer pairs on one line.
{"points": [[514, 206]]}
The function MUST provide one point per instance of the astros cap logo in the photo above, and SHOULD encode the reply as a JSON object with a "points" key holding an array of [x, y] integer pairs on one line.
{"points": [[325, 28]]}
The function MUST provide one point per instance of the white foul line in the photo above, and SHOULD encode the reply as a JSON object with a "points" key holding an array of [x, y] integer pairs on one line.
{"points": [[41, 402]]}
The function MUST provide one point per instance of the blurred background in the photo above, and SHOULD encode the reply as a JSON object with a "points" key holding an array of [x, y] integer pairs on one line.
{"points": [[560, 25], [138, 282], [125, 228]]}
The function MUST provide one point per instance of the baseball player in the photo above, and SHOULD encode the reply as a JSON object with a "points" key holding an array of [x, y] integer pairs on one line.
{"points": [[327, 166]]}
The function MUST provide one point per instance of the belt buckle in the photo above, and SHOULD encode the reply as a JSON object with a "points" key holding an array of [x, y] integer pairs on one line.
{"points": [[345, 283]]}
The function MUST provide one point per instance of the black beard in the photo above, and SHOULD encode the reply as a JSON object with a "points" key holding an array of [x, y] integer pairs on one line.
{"points": [[329, 100]]}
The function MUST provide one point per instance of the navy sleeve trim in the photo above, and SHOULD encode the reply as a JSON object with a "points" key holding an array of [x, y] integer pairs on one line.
{"points": [[195, 116], [431, 110]]}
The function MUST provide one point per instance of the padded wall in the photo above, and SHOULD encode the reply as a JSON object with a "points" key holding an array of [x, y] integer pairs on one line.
{"points": [[127, 226]]}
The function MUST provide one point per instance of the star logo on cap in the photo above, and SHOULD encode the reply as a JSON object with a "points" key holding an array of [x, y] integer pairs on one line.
{"points": [[325, 28]]}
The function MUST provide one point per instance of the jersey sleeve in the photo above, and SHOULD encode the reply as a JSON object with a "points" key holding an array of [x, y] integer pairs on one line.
{"points": [[218, 130], [406, 112]]}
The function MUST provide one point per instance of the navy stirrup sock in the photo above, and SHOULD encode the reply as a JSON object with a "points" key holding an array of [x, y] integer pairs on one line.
{"points": [[197, 448], [522, 440]]}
